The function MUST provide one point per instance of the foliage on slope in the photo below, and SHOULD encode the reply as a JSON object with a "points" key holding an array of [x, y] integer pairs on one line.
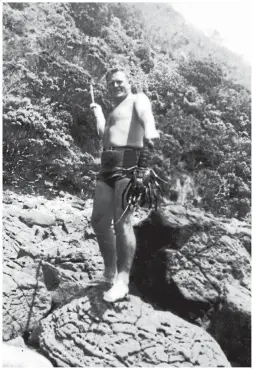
{"points": [[52, 51]]}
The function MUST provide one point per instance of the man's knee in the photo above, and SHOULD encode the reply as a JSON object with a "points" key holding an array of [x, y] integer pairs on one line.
{"points": [[123, 227], [100, 223]]}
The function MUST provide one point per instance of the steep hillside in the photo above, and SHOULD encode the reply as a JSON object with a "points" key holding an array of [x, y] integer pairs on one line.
{"points": [[168, 31], [53, 51]]}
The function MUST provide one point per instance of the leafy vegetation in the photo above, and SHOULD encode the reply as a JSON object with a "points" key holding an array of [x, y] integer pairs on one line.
{"points": [[199, 92]]}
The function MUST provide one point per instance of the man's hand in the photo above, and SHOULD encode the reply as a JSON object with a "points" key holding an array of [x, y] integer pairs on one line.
{"points": [[150, 143], [96, 109], [98, 112]]}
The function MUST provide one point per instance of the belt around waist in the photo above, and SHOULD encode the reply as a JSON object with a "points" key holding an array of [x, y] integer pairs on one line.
{"points": [[120, 148], [115, 159]]}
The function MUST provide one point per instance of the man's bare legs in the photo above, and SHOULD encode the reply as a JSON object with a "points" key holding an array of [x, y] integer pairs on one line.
{"points": [[125, 245], [101, 222]]}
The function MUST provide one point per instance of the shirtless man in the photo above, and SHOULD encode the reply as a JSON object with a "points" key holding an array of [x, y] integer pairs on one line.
{"points": [[123, 133]]}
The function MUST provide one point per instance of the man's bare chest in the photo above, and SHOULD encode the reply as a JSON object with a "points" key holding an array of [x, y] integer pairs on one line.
{"points": [[124, 113]]}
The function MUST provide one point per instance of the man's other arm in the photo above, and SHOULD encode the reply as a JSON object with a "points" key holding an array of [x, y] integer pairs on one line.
{"points": [[145, 114]]}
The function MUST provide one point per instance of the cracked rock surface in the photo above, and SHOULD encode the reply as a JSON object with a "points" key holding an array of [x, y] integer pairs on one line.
{"points": [[47, 257], [25, 301], [49, 254], [90, 332], [183, 258]]}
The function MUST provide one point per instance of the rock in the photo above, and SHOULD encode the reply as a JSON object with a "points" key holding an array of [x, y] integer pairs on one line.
{"points": [[80, 204], [49, 184], [25, 301], [63, 284], [33, 217], [80, 263], [22, 357], [185, 260], [246, 241], [77, 206], [52, 276], [89, 233], [231, 324], [53, 268], [90, 332], [43, 267], [7, 200], [32, 203], [242, 230]]}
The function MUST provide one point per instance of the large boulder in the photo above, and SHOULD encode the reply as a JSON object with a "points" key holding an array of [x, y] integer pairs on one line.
{"points": [[184, 262], [90, 332]]}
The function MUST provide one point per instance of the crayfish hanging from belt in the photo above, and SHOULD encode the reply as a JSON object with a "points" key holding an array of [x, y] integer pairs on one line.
{"points": [[143, 188]]}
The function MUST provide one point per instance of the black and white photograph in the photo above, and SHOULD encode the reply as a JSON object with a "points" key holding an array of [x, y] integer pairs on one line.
{"points": [[126, 184]]}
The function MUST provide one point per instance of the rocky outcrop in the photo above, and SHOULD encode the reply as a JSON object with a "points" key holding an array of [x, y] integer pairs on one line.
{"points": [[185, 261], [50, 254], [231, 324], [90, 332], [25, 300], [48, 257]]}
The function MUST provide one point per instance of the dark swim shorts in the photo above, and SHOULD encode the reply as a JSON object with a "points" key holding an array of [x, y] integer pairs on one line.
{"points": [[113, 162]]}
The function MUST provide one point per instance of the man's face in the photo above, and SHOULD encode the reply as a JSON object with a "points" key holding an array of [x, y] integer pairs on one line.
{"points": [[118, 85]]}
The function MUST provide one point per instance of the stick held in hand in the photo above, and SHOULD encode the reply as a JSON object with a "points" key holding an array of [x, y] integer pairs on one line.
{"points": [[92, 94]]}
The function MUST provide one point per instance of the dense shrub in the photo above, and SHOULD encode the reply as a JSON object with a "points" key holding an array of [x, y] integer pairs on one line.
{"points": [[53, 51], [204, 74]]}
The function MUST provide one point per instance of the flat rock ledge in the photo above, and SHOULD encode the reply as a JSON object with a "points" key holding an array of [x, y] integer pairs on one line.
{"points": [[35, 217], [90, 332]]}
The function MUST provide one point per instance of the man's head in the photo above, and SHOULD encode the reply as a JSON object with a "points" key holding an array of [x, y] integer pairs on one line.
{"points": [[118, 83]]}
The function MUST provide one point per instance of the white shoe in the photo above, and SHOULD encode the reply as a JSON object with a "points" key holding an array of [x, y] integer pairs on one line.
{"points": [[118, 291]]}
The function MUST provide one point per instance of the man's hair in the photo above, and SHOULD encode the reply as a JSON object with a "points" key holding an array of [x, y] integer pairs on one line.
{"points": [[115, 70]]}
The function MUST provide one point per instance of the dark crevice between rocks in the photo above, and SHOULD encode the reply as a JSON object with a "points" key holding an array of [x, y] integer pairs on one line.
{"points": [[156, 236], [54, 306], [26, 336], [51, 277], [156, 232], [31, 338], [149, 273], [168, 298]]}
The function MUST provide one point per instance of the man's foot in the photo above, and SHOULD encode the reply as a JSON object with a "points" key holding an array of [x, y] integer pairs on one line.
{"points": [[118, 291]]}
